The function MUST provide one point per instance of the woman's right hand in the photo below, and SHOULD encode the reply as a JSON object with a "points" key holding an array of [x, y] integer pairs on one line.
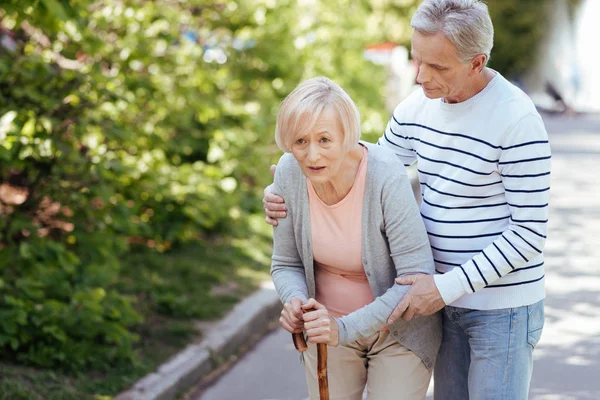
{"points": [[291, 316]]}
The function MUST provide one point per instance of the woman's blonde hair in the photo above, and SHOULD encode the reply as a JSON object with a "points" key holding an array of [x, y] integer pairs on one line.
{"points": [[301, 109]]}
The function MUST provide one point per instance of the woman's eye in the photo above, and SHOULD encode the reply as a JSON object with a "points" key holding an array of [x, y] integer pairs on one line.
{"points": [[324, 140], [300, 141]]}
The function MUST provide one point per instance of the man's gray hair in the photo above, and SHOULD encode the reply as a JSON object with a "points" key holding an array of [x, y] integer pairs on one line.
{"points": [[466, 23]]}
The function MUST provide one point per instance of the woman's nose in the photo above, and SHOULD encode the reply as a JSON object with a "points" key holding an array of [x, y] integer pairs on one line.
{"points": [[313, 152]]}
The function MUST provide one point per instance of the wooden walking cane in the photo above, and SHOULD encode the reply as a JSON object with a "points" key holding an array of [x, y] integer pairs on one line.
{"points": [[301, 346]]}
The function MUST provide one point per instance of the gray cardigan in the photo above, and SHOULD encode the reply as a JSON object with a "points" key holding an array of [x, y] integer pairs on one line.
{"points": [[394, 243]]}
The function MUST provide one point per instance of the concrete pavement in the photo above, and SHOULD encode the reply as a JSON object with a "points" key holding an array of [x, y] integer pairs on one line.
{"points": [[567, 360], [271, 371]]}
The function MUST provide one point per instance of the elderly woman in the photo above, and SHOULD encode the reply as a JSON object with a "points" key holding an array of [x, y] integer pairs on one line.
{"points": [[353, 226]]}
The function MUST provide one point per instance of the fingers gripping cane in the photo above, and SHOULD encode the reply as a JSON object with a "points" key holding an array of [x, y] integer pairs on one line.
{"points": [[301, 346]]}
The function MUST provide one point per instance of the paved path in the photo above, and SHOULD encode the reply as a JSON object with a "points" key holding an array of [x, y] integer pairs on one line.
{"points": [[567, 360]]}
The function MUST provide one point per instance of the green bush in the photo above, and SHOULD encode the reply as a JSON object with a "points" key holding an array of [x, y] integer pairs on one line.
{"points": [[50, 314]]}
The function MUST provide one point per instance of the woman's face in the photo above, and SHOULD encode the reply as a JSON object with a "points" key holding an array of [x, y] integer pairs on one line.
{"points": [[321, 151]]}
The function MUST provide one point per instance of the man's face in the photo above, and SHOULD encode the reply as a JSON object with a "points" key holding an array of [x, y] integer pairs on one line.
{"points": [[441, 73]]}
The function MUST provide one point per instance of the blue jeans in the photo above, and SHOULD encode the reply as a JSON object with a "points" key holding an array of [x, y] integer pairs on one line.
{"points": [[487, 354]]}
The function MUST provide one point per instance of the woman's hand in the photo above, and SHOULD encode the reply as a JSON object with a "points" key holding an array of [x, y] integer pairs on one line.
{"points": [[291, 316], [319, 326]]}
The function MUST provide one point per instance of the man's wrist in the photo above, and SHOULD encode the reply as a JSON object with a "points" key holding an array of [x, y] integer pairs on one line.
{"points": [[450, 285]]}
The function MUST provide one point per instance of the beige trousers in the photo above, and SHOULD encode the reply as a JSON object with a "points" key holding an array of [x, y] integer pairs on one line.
{"points": [[389, 370]]}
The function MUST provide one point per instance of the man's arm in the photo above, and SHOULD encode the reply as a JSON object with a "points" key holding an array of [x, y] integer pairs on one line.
{"points": [[525, 171], [394, 139]]}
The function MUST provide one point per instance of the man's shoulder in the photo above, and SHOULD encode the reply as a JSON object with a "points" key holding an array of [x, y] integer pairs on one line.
{"points": [[415, 101], [514, 101], [515, 116], [383, 162]]}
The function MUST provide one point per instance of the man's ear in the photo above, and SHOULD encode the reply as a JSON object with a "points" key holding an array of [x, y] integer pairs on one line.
{"points": [[478, 63]]}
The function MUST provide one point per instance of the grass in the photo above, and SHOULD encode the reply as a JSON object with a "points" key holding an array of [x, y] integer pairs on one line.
{"points": [[197, 282]]}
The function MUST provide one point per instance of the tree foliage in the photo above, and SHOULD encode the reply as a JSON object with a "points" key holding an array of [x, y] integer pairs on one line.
{"points": [[519, 27]]}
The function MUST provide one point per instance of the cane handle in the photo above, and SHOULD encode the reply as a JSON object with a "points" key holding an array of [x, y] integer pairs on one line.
{"points": [[299, 341]]}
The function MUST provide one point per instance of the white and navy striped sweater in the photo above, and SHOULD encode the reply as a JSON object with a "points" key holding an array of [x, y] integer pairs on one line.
{"points": [[484, 169]]}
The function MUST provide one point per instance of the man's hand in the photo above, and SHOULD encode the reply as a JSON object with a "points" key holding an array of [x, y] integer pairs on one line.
{"points": [[423, 298], [274, 206], [291, 316], [319, 326]]}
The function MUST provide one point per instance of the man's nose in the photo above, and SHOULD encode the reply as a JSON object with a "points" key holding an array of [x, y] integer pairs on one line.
{"points": [[423, 74]]}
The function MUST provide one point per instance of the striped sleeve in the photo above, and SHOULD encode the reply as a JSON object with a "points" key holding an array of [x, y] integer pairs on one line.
{"points": [[394, 139], [525, 171]]}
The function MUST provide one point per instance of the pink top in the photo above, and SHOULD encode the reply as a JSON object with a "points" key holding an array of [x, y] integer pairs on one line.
{"points": [[341, 283]]}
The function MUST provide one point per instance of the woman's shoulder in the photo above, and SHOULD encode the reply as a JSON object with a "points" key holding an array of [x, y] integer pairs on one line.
{"points": [[287, 171], [288, 164]]}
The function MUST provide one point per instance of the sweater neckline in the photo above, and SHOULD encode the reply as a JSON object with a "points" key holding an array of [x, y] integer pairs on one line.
{"points": [[467, 103]]}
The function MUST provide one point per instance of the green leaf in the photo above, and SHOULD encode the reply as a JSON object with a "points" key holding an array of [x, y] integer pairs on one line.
{"points": [[54, 7], [28, 129], [25, 251]]}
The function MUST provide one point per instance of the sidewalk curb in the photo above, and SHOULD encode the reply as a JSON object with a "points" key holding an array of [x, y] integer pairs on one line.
{"points": [[182, 371]]}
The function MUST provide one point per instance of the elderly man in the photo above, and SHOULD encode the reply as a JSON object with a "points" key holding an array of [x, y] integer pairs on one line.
{"points": [[483, 160]]}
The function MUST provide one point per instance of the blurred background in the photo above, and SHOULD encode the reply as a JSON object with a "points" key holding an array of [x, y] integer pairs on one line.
{"points": [[135, 143]]}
